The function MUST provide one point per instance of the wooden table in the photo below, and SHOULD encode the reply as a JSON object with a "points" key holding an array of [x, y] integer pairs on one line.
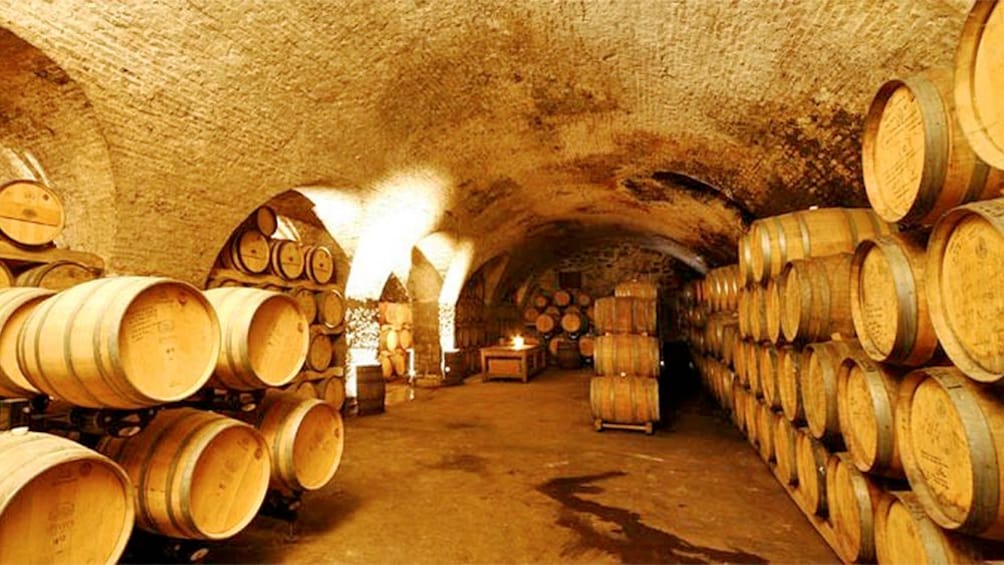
{"points": [[508, 362]]}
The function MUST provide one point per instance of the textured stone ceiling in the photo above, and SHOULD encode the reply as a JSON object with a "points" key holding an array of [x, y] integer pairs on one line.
{"points": [[671, 118]]}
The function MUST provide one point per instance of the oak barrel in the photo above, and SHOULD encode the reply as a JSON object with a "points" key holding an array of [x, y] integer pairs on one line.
{"points": [[399, 359], [819, 384], [614, 314], [30, 213], [16, 304], [587, 346], [964, 276], [785, 436], [61, 502], [540, 300], [810, 462], [286, 259], [332, 391], [265, 338], [546, 323], [306, 302], [624, 399], [636, 289], [567, 355], [851, 498], [319, 352], [388, 339], [765, 431], [627, 355], [121, 342], [816, 301], [573, 322], [58, 275], [905, 534], [889, 300], [248, 251], [773, 307], [319, 264], [330, 308], [561, 298], [370, 389], [530, 314], [405, 337], [916, 160], [977, 81], [776, 240], [866, 401], [583, 299], [951, 437], [305, 438], [198, 475], [767, 376], [789, 382], [265, 220]]}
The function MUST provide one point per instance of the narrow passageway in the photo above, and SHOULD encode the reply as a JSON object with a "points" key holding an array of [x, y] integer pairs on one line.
{"points": [[511, 472]]}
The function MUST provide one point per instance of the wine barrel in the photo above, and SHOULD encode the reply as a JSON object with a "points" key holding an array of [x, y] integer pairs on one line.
{"points": [[30, 213], [319, 352], [405, 337], [587, 346], [370, 389], [16, 304], [530, 315], [773, 307], [916, 161], [583, 299], [624, 399], [265, 220], [121, 342], [866, 400], [889, 300], [567, 355], [810, 462], [743, 312], [305, 438], [330, 308], [816, 302], [198, 475], [963, 281], [573, 322], [951, 437], [286, 259], [248, 252], [819, 384], [765, 431], [306, 302], [905, 534], [332, 391], [397, 314], [61, 502], [627, 355], [851, 498], [789, 383], [752, 413], [387, 340], [561, 298], [302, 389], [625, 315], [58, 275], [636, 289], [753, 370], [744, 268], [554, 311], [265, 338], [540, 300], [399, 359], [757, 314], [976, 74], [785, 435], [739, 394], [767, 376], [319, 264], [386, 366], [809, 233], [545, 323]]}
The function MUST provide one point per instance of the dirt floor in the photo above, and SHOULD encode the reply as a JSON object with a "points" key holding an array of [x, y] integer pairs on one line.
{"points": [[506, 472]]}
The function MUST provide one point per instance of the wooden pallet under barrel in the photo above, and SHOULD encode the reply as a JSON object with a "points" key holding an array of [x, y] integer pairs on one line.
{"points": [[625, 403]]}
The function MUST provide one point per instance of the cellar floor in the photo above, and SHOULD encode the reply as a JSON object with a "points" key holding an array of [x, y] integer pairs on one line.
{"points": [[505, 472]]}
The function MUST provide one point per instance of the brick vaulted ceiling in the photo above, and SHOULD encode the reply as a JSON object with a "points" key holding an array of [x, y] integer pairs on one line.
{"points": [[681, 119]]}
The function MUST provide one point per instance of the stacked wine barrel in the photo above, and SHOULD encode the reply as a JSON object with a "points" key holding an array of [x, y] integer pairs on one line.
{"points": [[471, 329], [395, 339], [254, 258], [867, 375], [625, 392], [562, 319]]}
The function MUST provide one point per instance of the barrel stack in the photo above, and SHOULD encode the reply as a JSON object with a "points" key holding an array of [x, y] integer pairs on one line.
{"points": [[874, 356], [562, 319], [625, 392], [172, 395]]}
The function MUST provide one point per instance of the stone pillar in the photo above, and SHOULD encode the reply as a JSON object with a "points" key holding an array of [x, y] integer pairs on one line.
{"points": [[362, 334]]}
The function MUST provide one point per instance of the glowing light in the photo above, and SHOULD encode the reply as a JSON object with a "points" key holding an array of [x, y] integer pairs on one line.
{"points": [[439, 248], [518, 342], [284, 229], [456, 275], [402, 211], [341, 212]]}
